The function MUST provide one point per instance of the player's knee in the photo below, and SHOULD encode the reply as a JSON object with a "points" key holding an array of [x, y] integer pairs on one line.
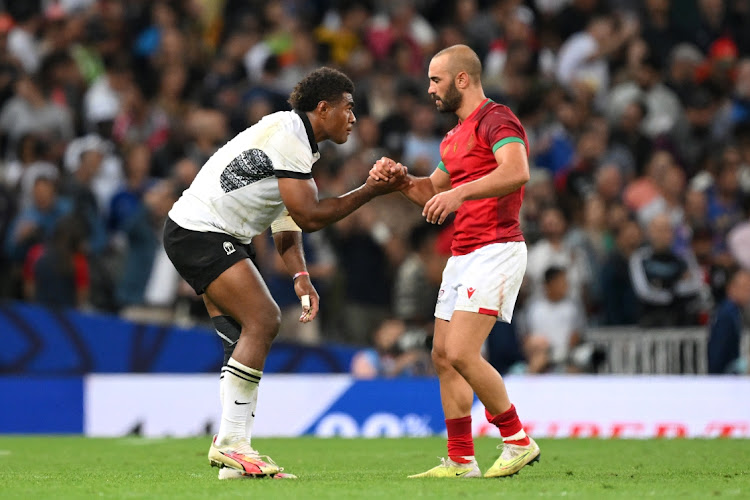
{"points": [[271, 321], [438, 357], [457, 359]]}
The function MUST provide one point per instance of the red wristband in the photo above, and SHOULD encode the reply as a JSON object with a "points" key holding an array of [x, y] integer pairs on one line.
{"points": [[301, 273]]}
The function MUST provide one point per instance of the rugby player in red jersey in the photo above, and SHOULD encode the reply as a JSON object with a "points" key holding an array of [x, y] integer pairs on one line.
{"points": [[481, 177]]}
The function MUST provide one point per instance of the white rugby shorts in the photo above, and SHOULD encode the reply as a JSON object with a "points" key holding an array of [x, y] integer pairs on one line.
{"points": [[485, 281]]}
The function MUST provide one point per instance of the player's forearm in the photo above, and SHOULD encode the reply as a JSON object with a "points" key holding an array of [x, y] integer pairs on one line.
{"points": [[330, 210], [493, 185], [289, 246], [419, 190]]}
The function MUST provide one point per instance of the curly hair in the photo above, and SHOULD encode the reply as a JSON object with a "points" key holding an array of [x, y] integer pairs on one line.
{"points": [[323, 84]]}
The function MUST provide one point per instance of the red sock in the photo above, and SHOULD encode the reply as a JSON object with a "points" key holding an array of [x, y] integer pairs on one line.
{"points": [[509, 425], [460, 442]]}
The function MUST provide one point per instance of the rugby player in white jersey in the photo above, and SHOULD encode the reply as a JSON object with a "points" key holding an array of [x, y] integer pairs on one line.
{"points": [[261, 178]]}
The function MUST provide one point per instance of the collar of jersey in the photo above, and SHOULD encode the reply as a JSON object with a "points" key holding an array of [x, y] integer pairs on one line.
{"points": [[474, 113], [308, 129]]}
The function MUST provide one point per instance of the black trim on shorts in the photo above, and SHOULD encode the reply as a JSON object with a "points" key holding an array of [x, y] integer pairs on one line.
{"points": [[201, 257], [289, 174]]}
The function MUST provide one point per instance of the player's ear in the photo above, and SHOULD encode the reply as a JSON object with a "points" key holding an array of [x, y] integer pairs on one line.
{"points": [[323, 108], [462, 79]]}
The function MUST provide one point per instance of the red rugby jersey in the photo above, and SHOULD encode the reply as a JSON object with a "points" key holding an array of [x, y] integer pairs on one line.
{"points": [[467, 153]]}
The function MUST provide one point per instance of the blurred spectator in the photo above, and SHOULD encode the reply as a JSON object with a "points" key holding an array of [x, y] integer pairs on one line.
{"points": [[141, 281], [554, 250], [321, 264], [517, 31], [657, 29], [63, 83], [206, 130], [725, 331], [404, 30], [102, 100], [669, 199], [663, 282], [644, 190], [109, 175], [627, 133], [388, 357], [394, 127], [421, 144], [138, 122], [539, 194], [740, 111], [37, 222], [619, 302], [23, 42], [738, 242], [663, 108], [137, 181], [31, 111], [554, 325], [692, 136], [362, 242], [582, 60], [78, 189], [29, 149], [56, 273], [724, 199], [342, 30], [682, 76], [609, 184], [418, 279]]}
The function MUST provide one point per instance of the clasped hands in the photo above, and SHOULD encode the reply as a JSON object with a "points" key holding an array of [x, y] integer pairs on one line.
{"points": [[436, 209]]}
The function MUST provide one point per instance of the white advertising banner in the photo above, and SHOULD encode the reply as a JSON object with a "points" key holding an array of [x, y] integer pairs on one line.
{"points": [[337, 405]]}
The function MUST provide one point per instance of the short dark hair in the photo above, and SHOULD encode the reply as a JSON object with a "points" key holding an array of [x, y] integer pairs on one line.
{"points": [[552, 272], [323, 84]]}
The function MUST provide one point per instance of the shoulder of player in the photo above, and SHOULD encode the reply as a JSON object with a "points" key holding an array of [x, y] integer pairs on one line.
{"points": [[281, 129], [495, 110]]}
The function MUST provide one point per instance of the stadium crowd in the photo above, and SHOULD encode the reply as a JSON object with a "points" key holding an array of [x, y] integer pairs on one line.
{"points": [[637, 112]]}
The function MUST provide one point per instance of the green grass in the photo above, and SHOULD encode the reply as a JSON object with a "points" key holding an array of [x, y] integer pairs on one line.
{"points": [[76, 467]]}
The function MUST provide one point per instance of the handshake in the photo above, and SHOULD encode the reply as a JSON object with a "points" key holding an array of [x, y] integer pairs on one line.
{"points": [[387, 176]]}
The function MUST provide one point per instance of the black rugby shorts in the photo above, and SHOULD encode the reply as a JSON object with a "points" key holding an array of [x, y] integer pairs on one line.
{"points": [[200, 257]]}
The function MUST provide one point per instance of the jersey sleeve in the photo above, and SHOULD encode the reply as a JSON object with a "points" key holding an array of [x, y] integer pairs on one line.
{"points": [[291, 158], [498, 129]]}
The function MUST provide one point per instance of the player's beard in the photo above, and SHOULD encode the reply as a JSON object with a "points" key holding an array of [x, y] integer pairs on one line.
{"points": [[451, 101]]}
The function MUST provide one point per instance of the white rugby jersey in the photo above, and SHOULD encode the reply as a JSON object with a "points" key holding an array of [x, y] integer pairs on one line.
{"points": [[236, 191]]}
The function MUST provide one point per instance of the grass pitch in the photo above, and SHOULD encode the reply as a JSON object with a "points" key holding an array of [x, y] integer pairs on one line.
{"points": [[76, 467]]}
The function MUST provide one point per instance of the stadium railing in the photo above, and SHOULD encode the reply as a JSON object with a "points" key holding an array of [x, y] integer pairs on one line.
{"points": [[632, 350]]}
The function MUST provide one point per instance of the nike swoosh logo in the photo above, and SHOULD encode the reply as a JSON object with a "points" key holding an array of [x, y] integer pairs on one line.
{"points": [[518, 459], [238, 403]]}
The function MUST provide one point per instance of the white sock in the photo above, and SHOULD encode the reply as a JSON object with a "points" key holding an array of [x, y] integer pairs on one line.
{"points": [[250, 419], [239, 391]]}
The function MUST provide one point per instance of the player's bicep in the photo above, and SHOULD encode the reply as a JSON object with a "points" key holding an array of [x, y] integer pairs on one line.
{"points": [[300, 196], [440, 179], [511, 157]]}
